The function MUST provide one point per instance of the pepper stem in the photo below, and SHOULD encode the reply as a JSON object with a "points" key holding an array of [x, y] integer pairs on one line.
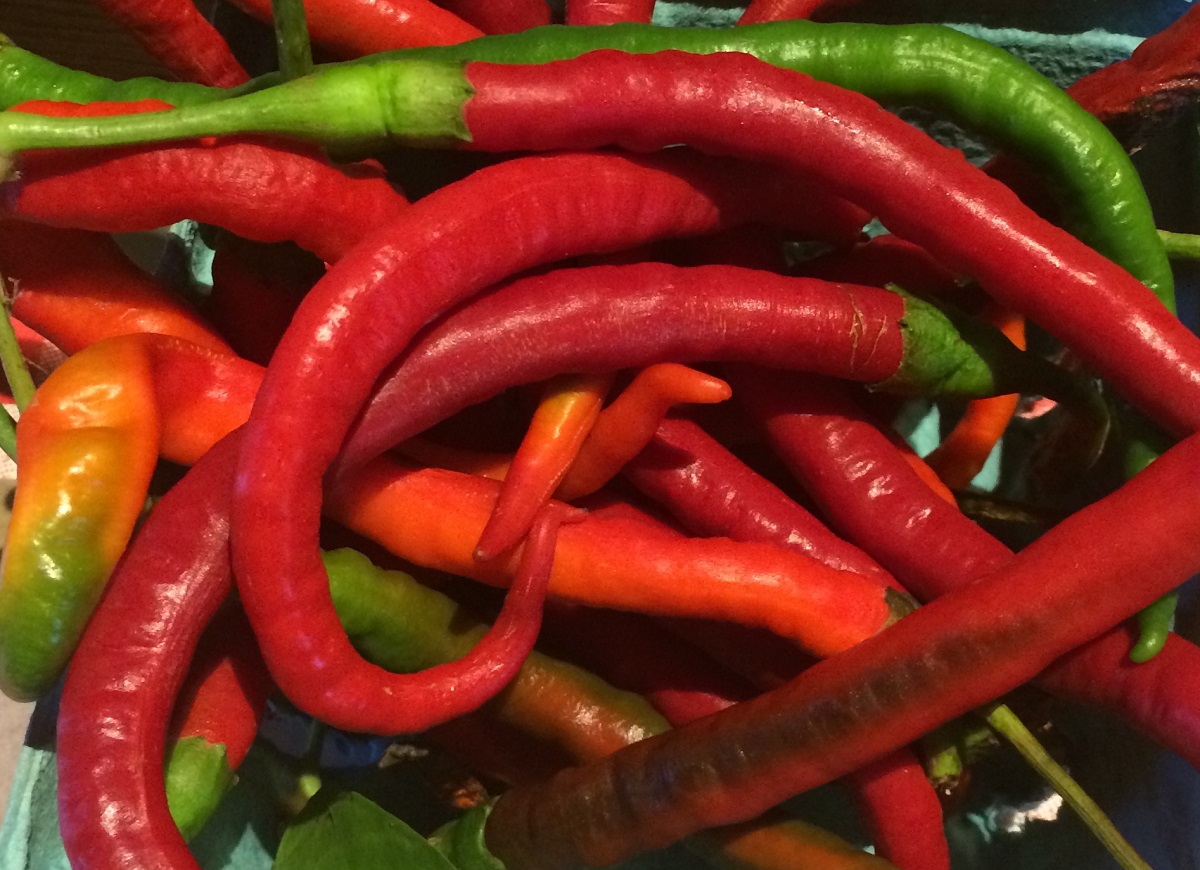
{"points": [[1006, 722], [291, 38], [1181, 246], [16, 370], [417, 102]]}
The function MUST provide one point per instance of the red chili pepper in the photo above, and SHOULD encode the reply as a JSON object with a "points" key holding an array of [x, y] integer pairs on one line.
{"points": [[606, 318], [217, 715], [266, 192], [587, 12], [352, 28], [873, 159], [948, 657], [902, 811], [873, 495], [76, 287], [512, 16], [174, 32], [826, 440], [712, 492], [171, 581], [894, 796], [761, 11], [1148, 88]]}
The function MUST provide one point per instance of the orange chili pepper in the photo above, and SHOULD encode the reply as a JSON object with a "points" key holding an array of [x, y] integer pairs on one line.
{"points": [[76, 287], [822, 609], [964, 451], [626, 426], [569, 407], [88, 445]]}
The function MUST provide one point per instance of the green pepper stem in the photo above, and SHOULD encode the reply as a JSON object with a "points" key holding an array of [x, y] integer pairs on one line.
{"points": [[16, 370], [1006, 722], [291, 38], [1181, 246], [339, 106]]}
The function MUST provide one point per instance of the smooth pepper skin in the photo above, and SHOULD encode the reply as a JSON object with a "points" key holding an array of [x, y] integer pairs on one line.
{"points": [[88, 445], [921, 190], [948, 657], [535, 212]]}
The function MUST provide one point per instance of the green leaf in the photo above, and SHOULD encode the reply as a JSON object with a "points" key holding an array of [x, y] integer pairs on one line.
{"points": [[345, 831]]}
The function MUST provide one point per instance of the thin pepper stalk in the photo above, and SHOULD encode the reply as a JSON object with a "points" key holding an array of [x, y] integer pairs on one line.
{"points": [[16, 369], [1181, 246], [291, 38]]}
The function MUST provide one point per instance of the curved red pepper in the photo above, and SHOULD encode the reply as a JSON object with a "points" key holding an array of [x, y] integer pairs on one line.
{"points": [[712, 492], [76, 287], [512, 16], [266, 192], [587, 12], [946, 658], [181, 38], [873, 159], [351, 28]]}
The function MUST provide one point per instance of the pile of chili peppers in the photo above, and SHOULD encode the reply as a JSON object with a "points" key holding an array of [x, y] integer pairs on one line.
{"points": [[586, 312]]}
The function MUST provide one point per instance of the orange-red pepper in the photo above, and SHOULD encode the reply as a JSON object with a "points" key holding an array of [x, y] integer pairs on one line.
{"points": [[88, 445]]}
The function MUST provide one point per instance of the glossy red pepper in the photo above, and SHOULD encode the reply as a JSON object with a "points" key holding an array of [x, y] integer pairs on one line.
{"points": [[351, 28], [181, 38], [956, 653], [512, 16], [267, 192], [76, 287], [609, 11], [872, 494], [711, 492]]}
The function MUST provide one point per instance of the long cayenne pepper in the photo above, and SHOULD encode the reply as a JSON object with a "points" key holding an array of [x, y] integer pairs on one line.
{"points": [[948, 657]]}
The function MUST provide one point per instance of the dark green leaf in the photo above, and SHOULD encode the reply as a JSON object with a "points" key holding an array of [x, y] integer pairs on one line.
{"points": [[345, 831]]}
